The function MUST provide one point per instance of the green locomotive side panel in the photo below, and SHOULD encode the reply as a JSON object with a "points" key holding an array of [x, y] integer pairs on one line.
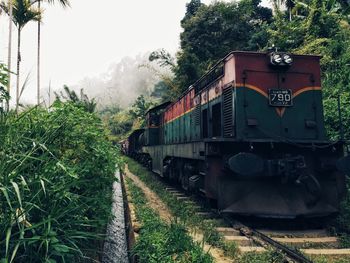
{"points": [[152, 136], [165, 132], [187, 121], [255, 118], [305, 120], [170, 132], [176, 130], [181, 129], [172, 127]]}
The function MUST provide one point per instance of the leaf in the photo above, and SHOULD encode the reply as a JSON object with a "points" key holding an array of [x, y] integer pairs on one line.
{"points": [[4, 191], [61, 248], [24, 182], [43, 186], [8, 235], [15, 186], [65, 169], [14, 252]]}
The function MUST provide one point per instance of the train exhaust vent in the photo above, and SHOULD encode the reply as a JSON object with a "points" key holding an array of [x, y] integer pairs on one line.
{"points": [[197, 115], [228, 112]]}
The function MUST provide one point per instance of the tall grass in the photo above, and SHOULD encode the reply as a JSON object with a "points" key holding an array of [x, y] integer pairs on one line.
{"points": [[56, 172], [159, 241]]}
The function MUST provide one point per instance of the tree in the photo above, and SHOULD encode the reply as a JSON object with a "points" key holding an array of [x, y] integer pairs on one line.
{"points": [[163, 58], [23, 12], [191, 9], [210, 32], [83, 101], [140, 107], [9, 54], [64, 3], [4, 95]]}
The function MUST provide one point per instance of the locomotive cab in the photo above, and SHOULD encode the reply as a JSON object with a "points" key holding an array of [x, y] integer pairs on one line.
{"points": [[153, 131]]}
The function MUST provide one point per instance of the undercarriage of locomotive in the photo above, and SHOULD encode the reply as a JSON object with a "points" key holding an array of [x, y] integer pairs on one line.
{"points": [[265, 185]]}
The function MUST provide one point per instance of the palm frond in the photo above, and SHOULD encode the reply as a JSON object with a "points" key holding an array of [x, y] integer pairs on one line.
{"points": [[23, 12], [64, 3]]}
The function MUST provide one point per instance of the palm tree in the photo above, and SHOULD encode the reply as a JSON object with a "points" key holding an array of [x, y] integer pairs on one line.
{"points": [[64, 3], [9, 52], [22, 13]]}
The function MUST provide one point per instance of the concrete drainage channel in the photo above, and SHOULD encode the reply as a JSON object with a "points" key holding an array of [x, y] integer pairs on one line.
{"points": [[119, 233]]}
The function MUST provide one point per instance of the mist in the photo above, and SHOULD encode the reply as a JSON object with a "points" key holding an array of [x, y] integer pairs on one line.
{"points": [[121, 84]]}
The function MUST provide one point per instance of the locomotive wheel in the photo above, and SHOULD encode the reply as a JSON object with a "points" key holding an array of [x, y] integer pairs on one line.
{"points": [[184, 180], [149, 164]]}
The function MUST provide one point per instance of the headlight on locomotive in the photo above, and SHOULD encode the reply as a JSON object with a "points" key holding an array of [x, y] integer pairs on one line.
{"points": [[280, 59], [287, 59], [276, 59]]}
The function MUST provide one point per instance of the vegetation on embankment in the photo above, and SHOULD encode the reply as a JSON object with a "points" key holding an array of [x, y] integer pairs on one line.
{"points": [[159, 241], [56, 174]]}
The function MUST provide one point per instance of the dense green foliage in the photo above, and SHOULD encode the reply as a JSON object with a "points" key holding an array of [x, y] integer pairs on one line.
{"points": [[211, 31], [121, 122], [159, 241], [82, 101], [57, 169]]}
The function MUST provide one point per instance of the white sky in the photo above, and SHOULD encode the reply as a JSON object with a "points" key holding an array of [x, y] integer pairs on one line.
{"points": [[85, 39]]}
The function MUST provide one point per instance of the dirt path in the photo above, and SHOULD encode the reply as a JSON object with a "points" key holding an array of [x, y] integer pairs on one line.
{"points": [[156, 203], [153, 200]]}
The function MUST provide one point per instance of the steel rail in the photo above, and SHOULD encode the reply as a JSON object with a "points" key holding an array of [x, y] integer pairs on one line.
{"points": [[289, 252]]}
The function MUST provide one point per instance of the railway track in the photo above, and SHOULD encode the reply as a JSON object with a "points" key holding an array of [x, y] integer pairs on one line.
{"points": [[296, 245]]}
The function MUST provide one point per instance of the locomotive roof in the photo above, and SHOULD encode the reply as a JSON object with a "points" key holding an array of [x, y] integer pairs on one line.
{"points": [[136, 131], [160, 106]]}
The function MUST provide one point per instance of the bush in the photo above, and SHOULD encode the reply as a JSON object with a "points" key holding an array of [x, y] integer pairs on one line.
{"points": [[56, 174]]}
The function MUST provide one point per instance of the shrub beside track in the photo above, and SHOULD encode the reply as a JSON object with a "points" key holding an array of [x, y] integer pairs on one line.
{"points": [[57, 169]]}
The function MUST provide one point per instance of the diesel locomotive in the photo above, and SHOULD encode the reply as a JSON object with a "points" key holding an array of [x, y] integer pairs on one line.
{"points": [[250, 136]]}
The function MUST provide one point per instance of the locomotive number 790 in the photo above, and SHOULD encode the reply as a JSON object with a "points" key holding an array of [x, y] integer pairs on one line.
{"points": [[280, 98]]}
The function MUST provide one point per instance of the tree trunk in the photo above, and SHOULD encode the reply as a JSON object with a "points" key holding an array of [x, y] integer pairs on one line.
{"points": [[38, 62], [9, 51], [18, 65]]}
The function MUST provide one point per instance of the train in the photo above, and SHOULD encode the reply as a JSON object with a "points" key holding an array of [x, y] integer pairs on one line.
{"points": [[250, 136]]}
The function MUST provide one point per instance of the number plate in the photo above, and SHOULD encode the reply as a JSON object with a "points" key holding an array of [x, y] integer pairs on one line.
{"points": [[280, 97]]}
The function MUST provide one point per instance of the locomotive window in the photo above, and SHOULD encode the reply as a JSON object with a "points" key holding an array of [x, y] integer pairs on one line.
{"points": [[216, 120], [205, 123], [154, 120]]}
